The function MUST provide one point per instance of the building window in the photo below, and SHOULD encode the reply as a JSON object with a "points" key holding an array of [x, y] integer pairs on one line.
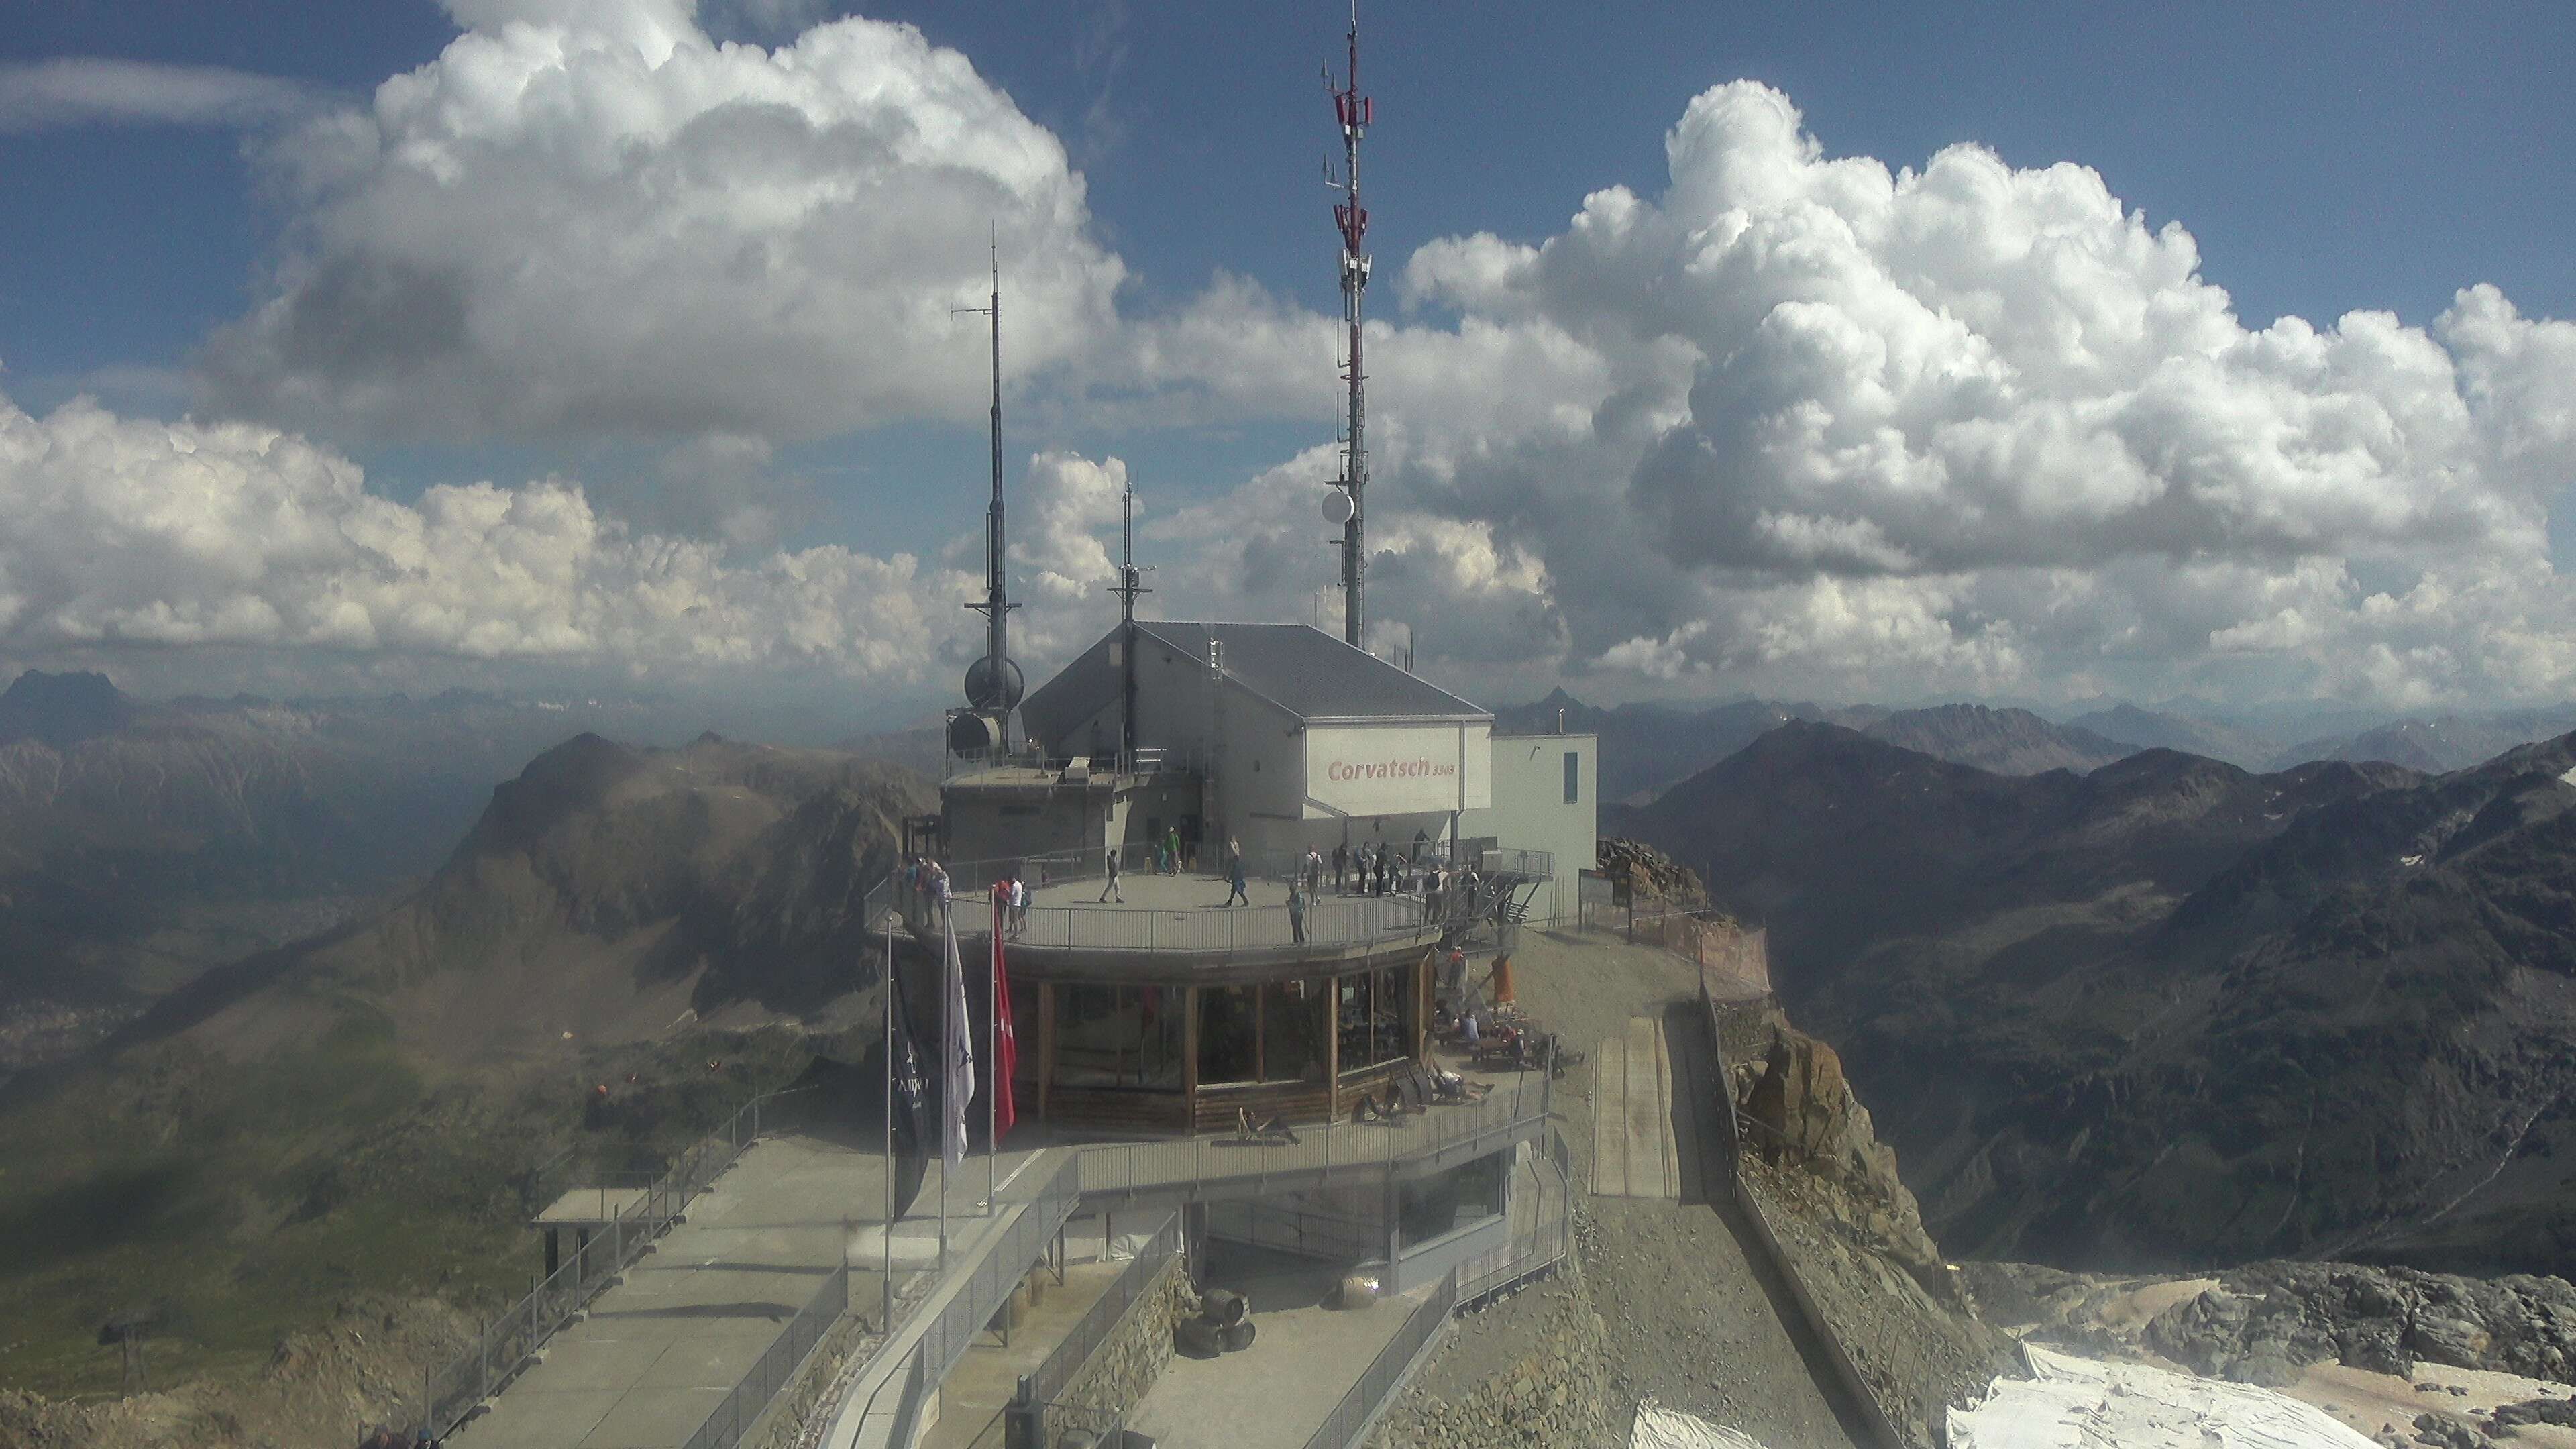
{"points": [[1118, 1036], [1229, 1035], [1379, 1014], [1445, 1202], [1573, 777]]}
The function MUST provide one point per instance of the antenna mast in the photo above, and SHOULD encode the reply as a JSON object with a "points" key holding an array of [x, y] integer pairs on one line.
{"points": [[994, 684], [1355, 112], [1131, 582]]}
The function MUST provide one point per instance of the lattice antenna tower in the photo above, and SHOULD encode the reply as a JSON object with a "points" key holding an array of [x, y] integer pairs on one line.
{"points": [[1348, 504], [994, 685]]}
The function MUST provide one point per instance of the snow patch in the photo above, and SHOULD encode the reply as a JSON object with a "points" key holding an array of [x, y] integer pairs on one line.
{"points": [[2078, 1403], [1658, 1428]]}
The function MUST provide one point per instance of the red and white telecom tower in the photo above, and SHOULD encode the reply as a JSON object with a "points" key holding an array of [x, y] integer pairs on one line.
{"points": [[1349, 507]]}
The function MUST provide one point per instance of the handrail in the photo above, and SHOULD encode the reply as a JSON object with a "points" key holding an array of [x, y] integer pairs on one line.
{"points": [[1359, 1405], [953, 1330], [507, 1345], [760, 1384], [1138, 1167], [1068, 1357]]}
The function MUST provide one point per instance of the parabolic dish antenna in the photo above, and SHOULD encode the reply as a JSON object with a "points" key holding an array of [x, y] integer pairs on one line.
{"points": [[1337, 506]]}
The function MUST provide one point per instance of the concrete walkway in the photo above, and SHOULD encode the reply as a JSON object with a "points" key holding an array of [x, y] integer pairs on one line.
{"points": [[658, 1352], [1638, 1126], [1304, 1357], [971, 1401]]}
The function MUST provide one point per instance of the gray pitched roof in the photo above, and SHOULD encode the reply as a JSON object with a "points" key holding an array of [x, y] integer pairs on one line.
{"points": [[1312, 674], [1303, 670]]}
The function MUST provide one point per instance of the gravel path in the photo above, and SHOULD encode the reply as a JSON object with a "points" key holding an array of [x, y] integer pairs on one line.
{"points": [[1690, 1323]]}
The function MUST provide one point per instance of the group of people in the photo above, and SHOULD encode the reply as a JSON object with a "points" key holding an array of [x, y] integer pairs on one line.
{"points": [[926, 877]]}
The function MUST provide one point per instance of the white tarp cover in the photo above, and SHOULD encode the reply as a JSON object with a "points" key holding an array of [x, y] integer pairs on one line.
{"points": [[2078, 1403], [1669, 1429]]}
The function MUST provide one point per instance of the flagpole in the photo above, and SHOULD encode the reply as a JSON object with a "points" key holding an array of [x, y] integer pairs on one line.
{"points": [[993, 1065], [948, 1110], [886, 1237]]}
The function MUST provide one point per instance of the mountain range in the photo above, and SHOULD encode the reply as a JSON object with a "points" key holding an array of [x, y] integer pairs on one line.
{"points": [[2172, 1012], [142, 842], [1648, 747], [358, 1111]]}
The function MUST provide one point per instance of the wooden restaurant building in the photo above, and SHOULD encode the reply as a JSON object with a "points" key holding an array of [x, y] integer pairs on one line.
{"points": [[1162, 1009]]}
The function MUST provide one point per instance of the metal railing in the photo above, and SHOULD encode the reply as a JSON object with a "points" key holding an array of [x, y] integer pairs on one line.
{"points": [[1267, 1224], [1458, 1129], [1329, 922], [1153, 761], [507, 1345], [1359, 1406], [1550, 1239], [1056, 1374], [908, 1404], [970, 884], [987, 1291], [750, 1398]]}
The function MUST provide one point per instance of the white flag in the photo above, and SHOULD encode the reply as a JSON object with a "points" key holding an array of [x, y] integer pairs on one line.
{"points": [[958, 1052]]}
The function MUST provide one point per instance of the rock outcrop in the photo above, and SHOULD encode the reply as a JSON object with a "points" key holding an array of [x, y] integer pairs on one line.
{"points": [[2263, 1322], [1830, 1192], [1649, 874]]}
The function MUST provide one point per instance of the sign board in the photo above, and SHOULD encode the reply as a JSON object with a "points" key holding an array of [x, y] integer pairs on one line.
{"points": [[1375, 770]]}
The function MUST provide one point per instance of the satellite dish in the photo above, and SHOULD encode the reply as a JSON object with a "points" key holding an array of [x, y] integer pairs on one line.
{"points": [[1338, 507]]}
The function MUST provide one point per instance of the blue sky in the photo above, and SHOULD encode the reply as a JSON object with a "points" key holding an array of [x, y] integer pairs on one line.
{"points": [[2324, 158], [2327, 156]]}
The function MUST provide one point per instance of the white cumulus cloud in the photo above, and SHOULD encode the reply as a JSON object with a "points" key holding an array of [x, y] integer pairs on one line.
{"points": [[1805, 421], [587, 218], [138, 534]]}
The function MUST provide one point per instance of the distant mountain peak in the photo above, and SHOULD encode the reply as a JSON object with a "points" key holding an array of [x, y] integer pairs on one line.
{"points": [[62, 709]]}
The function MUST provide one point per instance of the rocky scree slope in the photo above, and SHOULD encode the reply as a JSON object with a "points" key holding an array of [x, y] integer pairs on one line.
{"points": [[2171, 1012]]}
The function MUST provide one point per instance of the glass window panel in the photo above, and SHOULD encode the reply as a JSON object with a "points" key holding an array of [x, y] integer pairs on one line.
{"points": [[1229, 1045], [1116, 1037], [1445, 1202], [1292, 1031]]}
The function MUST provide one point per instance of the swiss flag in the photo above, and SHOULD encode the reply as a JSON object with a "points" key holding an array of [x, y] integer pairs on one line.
{"points": [[1006, 1041]]}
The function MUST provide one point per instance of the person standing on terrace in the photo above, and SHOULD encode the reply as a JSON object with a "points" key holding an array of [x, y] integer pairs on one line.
{"points": [[1234, 874]]}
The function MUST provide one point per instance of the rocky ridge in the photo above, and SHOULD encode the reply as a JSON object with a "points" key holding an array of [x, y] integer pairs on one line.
{"points": [[2170, 1012], [2262, 1322]]}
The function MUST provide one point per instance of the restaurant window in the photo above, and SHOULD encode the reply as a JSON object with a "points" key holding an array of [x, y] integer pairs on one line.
{"points": [[1379, 1014], [1443, 1203], [1292, 1031], [1117, 1036], [1229, 1035]]}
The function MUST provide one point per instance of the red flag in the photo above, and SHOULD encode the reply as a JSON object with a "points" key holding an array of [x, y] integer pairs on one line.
{"points": [[1006, 1041]]}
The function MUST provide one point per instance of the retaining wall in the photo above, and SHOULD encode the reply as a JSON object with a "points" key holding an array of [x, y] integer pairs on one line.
{"points": [[1848, 1385], [1134, 1354]]}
